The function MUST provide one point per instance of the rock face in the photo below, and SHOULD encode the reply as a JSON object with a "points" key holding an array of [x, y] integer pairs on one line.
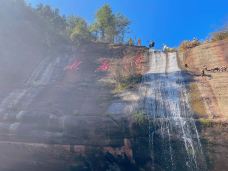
{"points": [[59, 113], [213, 86], [62, 99], [210, 93], [214, 139], [61, 102]]}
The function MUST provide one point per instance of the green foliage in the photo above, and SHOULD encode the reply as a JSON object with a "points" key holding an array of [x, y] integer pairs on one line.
{"points": [[71, 22], [205, 122], [108, 26], [120, 87], [122, 26], [78, 29], [48, 27], [126, 82], [106, 22], [93, 29], [52, 16], [139, 117], [105, 16]]}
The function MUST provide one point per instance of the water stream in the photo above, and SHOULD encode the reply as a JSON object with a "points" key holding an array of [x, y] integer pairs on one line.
{"points": [[173, 136]]}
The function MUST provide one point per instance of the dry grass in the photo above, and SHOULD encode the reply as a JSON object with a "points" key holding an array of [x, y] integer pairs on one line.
{"points": [[126, 73], [220, 35], [188, 44]]}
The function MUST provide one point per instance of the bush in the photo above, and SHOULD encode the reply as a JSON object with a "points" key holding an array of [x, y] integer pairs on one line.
{"points": [[127, 82], [188, 44], [139, 117], [204, 122], [170, 50], [220, 35], [126, 72]]}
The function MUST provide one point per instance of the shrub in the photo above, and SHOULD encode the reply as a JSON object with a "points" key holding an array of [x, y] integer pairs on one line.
{"points": [[139, 117], [220, 35], [188, 44], [127, 82], [205, 122], [126, 72], [170, 50]]}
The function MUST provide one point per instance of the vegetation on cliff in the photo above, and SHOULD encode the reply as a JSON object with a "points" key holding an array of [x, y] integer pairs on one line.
{"points": [[220, 35], [107, 27], [44, 28], [215, 36], [188, 44]]}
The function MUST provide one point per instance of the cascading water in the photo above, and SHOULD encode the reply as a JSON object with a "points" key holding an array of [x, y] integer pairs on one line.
{"points": [[16, 103], [173, 136]]}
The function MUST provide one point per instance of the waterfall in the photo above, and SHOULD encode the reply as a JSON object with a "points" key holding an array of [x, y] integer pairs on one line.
{"points": [[172, 131]]}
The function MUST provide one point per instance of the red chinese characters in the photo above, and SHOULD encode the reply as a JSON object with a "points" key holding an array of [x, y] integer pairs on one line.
{"points": [[104, 66], [73, 66], [138, 60]]}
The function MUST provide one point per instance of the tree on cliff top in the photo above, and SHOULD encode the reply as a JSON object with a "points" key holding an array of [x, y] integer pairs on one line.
{"points": [[105, 22], [53, 17], [78, 29], [122, 26], [108, 26]]}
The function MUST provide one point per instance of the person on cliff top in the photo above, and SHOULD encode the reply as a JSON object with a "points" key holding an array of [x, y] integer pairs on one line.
{"points": [[130, 42], [139, 42], [152, 44], [165, 48]]}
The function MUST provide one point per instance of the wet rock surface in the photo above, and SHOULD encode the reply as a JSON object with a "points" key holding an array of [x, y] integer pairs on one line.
{"points": [[173, 135], [67, 120], [67, 108]]}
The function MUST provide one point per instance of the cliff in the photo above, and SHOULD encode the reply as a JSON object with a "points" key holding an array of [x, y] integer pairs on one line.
{"points": [[209, 95]]}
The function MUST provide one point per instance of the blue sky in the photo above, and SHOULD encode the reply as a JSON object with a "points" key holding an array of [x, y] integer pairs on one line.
{"points": [[164, 21]]}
